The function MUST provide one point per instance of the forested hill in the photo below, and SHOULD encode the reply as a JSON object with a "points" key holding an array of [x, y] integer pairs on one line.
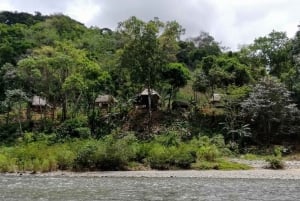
{"points": [[250, 96]]}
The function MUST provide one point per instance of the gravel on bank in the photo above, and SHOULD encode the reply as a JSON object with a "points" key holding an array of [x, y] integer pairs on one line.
{"points": [[292, 171], [235, 174]]}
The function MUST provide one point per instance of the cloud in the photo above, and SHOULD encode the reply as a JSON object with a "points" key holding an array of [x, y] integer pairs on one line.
{"points": [[83, 10], [233, 22], [5, 5]]}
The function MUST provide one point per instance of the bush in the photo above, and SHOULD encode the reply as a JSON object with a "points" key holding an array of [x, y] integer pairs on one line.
{"points": [[114, 156], [74, 128], [170, 139], [208, 153], [182, 156], [83, 132], [218, 140], [4, 167], [159, 157], [275, 162], [85, 158], [65, 159]]}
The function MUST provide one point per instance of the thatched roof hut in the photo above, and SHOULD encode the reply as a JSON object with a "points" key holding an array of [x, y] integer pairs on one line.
{"points": [[142, 98], [152, 92], [216, 98], [105, 101], [38, 103]]}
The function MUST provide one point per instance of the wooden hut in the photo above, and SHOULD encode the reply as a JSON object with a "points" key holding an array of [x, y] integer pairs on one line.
{"points": [[142, 99], [39, 104], [105, 101], [216, 100]]}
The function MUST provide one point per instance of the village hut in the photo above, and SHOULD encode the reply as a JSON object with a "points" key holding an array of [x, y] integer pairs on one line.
{"points": [[142, 99], [216, 100], [105, 101], [39, 104]]}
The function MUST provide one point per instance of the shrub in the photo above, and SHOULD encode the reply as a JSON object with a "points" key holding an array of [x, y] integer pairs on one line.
{"points": [[218, 140], [182, 156], [170, 139], [3, 163], [275, 162], [113, 157], [158, 157], [83, 132], [85, 158], [73, 128], [208, 153], [65, 159]]}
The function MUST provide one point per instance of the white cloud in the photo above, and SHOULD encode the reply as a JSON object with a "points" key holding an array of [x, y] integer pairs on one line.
{"points": [[83, 10], [233, 22], [6, 5]]}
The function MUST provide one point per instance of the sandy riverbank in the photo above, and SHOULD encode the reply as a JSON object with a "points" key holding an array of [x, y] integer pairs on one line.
{"points": [[235, 174], [292, 171]]}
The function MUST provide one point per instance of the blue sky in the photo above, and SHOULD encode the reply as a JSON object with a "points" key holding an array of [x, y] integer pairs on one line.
{"points": [[232, 22]]}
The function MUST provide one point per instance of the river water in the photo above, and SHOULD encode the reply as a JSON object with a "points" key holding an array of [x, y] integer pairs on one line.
{"points": [[55, 188]]}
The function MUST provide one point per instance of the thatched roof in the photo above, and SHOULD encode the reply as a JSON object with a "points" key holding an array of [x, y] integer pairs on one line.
{"points": [[216, 98], [105, 99], [152, 92], [38, 101]]}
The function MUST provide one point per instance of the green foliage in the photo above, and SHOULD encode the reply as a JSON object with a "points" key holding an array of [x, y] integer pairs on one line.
{"points": [[208, 153], [4, 164], [69, 65], [159, 157], [85, 158], [76, 127], [176, 74], [65, 159], [219, 165], [269, 111], [275, 162], [273, 52]]}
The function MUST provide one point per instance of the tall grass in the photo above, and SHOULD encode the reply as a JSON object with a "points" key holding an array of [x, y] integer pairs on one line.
{"points": [[112, 153]]}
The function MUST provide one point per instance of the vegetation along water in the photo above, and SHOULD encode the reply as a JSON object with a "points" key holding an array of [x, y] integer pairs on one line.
{"points": [[139, 97]]}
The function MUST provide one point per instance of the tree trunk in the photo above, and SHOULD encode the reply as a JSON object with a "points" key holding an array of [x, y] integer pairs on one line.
{"points": [[169, 104], [149, 110], [19, 119], [64, 109]]}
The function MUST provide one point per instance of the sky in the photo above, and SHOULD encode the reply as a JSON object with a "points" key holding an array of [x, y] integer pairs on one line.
{"points": [[231, 22]]}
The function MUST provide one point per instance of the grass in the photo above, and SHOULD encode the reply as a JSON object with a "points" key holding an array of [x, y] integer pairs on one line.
{"points": [[220, 164], [251, 157], [41, 154]]}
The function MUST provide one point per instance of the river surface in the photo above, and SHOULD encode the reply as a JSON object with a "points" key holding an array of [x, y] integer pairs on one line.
{"points": [[55, 188]]}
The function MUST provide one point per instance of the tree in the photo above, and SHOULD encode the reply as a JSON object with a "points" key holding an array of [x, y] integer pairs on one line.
{"points": [[168, 40], [176, 75], [269, 111], [47, 69], [141, 55], [205, 46], [273, 52]]}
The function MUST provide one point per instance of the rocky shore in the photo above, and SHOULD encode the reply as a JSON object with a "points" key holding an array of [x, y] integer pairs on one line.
{"points": [[292, 171]]}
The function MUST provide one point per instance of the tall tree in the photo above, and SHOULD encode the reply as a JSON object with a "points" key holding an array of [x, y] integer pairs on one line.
{"points": [[273, 52], [176, 75], [142, 54], [269, 111], [46, 70]]}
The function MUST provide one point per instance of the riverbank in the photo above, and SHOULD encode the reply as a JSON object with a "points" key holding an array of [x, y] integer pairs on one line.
{"points": [[292, 171], [234, 174]]}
